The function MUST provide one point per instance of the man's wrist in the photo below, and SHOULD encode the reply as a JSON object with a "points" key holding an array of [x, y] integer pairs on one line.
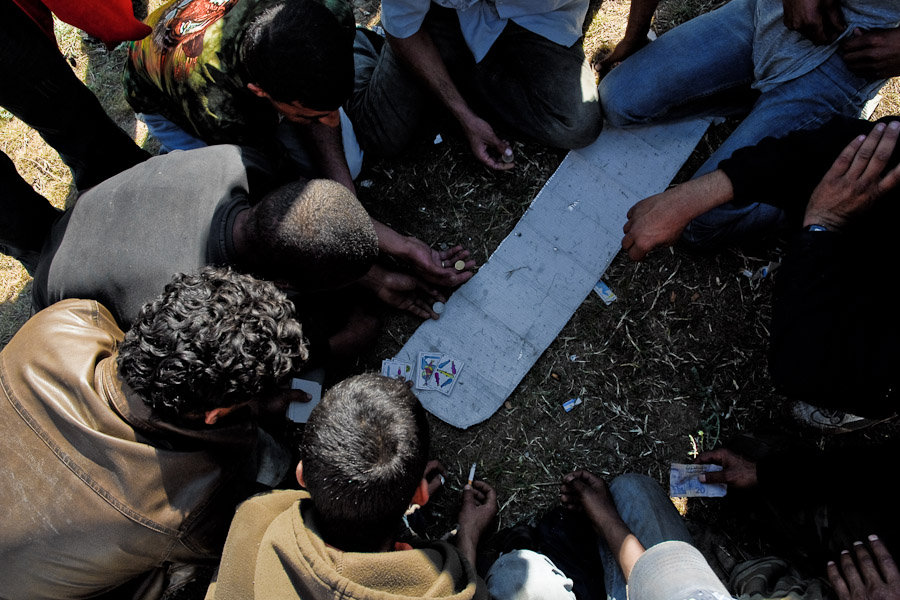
{"points": [[822, 222]]}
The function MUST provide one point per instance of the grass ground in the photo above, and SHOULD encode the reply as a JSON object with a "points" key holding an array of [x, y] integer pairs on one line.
{"points": [[677, 364]]}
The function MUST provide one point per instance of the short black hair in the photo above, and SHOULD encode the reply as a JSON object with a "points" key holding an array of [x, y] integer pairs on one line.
{"points": [[300, 50], [364, 453], [314, 234], [211, 340]]}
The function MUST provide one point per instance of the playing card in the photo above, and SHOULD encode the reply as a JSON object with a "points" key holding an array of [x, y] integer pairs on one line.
{"points": [[448, 369], [426, 369], [298, 412], [396, 369]]}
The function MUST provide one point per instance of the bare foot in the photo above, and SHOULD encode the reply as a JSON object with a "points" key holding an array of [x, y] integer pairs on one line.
{"points": [[584, 491]]}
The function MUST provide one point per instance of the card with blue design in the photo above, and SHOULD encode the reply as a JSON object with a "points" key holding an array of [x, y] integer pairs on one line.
{"points": [[438, 372]]}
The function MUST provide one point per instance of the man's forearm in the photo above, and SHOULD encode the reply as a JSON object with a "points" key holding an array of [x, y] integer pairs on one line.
{"points": [[699, 196], [328, 149], [639, 18], [623, 544], [419, 52], [389, 240]]}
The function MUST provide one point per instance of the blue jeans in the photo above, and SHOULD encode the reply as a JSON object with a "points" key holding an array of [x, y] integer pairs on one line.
{"points": [[651, 517], [705, 67]]}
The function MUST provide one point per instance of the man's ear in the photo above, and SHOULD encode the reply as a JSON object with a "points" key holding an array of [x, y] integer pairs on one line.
{"points": [[257, 90], [300, 479], [420, 496]]}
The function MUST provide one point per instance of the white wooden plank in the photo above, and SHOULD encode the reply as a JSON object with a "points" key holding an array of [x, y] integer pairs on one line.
{"points": [[500, 322]]}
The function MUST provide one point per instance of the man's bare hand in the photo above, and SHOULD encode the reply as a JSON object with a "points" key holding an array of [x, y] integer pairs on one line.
{"points": [[820, 21], [736, 470], [854, 182], [867, 578], [660, 219], [486, 146], [477, 514], [653, 222], [403, 291], [583, 491], [437, 267], [873, 53], [625, 48]]}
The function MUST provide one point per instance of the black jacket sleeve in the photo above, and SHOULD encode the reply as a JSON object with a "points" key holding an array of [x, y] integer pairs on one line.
{"points": [[784, 171]]}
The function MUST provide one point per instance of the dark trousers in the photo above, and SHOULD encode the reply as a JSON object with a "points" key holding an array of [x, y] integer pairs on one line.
{"points": [[39, 87], [526, 86]]}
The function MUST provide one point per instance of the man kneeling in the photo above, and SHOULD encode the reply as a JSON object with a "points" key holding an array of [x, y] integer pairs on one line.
{"points": [[124, 455]]}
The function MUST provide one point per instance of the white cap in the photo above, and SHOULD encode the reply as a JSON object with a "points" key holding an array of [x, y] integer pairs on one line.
{"points": [[674, 571]]}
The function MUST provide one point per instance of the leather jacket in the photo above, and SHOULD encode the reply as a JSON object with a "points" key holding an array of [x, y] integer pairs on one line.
{"points": [[95, 490]]}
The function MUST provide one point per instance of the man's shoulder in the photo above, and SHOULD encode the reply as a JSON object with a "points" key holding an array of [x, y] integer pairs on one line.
{"points": [[254, 516], [68, 319], [273, 503], [62, 344]]}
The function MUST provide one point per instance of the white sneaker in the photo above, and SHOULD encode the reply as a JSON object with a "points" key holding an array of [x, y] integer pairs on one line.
{"points": [[830, 420]]}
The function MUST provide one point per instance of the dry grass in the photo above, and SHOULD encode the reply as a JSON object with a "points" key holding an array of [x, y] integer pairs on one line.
{"points": [[678, 361]]}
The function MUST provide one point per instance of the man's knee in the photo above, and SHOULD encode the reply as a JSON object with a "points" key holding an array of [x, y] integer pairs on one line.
{"points": [[577, 129], [617, 97], [632, 487]]}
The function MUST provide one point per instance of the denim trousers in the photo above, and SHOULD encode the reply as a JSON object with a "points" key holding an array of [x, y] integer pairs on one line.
{"points": [[525, 86], [646, 510], [705, 67], [649, 514]]}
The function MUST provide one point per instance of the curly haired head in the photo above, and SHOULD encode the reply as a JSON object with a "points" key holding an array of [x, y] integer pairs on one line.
{"points": [[211, 340]]}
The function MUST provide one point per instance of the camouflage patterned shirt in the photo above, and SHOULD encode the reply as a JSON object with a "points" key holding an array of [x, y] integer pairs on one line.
{"points": [[188, 70]]}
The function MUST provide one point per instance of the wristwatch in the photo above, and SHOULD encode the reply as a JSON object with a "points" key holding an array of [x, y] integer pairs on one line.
{"points": [[815, 227]]}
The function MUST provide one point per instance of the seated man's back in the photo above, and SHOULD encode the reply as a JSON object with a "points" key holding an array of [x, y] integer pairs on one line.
{"points": [[124, 238], [99, 484], [365, 455]]}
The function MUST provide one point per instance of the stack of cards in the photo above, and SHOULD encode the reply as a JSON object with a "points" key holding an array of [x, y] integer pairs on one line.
{"points": [[396, 369], [436, 371]]}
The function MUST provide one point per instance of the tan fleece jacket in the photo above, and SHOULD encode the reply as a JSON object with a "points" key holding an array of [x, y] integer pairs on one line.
{"points": [[273, 551]]}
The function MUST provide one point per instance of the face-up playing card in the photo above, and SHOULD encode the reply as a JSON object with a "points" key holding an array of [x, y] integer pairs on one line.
{"points": [[396, 369], [426, 371], [435, 371], [448, 371]]}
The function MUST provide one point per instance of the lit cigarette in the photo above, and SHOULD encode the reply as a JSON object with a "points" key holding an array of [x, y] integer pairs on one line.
{"points": [[471, 474]]}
